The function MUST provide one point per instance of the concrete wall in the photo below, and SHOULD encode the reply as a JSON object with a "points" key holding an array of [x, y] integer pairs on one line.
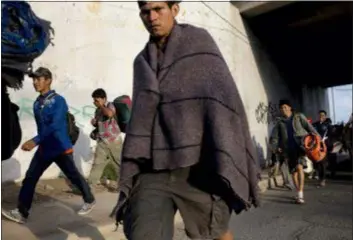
{"points": [[95, 44]]}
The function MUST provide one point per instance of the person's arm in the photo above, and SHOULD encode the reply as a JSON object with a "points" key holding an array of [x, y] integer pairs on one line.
{"points": [[329, 126], [36, 139], [94, 120], [108, 111], [58, 117], [307, 126]]}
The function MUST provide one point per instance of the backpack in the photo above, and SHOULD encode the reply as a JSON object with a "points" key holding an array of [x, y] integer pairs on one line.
{"points": [[122, 106], [24, 37], [72, 128]]}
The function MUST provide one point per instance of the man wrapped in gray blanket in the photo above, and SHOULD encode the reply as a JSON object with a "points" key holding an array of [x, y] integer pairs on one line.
{"points": [[188, 145]]}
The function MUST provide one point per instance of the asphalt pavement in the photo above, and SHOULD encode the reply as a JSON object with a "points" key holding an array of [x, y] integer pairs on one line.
{"points": [[326, 215]]}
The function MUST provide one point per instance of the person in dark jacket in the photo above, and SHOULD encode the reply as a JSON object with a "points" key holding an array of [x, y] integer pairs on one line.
{"points": [[54, 145], [323, 127], [286, 139]]}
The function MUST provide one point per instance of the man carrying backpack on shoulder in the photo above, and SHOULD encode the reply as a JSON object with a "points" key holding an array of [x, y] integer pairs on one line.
{"points": [[107, 134], [54, 145]]}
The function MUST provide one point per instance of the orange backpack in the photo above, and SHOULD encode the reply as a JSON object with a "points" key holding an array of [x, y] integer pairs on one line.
{"points": [[314, 147]]}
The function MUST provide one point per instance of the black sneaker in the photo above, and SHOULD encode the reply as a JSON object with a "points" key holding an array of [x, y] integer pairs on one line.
{"points": [[14, 215]]}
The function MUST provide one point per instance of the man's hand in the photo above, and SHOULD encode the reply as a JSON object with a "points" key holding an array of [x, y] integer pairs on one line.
{"points": [[29, 145]]}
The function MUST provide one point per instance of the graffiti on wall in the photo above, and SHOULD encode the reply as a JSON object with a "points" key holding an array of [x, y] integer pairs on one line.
{"points": [[266, 113], [82, 114]]}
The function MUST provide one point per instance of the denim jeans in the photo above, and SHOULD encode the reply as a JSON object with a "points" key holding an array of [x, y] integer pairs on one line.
{"points": [[36, 169]]}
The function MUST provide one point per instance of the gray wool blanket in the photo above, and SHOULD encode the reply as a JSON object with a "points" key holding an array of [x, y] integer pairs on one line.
{"points": [[191, 100]]}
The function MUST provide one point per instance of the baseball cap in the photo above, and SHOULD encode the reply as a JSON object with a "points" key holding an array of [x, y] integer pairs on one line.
{"points": [[41, 72]]}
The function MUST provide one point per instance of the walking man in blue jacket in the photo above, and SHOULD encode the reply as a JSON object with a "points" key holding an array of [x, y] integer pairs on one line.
{"points": [[54, 145]]}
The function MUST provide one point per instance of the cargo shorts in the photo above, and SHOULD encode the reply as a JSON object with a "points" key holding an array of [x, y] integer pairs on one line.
{"points": [[158, 195]]}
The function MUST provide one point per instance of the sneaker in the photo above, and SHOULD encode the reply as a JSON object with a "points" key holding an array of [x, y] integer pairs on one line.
{"points": [[299, 201], [14, 215], [86, 208]]}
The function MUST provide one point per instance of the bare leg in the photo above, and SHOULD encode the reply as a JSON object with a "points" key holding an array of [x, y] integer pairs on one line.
{"points": [[227, 236], [300, 170], [298, 177]]}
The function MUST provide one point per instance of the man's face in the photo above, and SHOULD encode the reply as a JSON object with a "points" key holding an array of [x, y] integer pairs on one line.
{"points": [[158, 18], [322, 117], [99, 102], [286, 110], [41, 84]]}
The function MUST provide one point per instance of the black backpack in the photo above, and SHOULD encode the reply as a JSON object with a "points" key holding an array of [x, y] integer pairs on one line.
{"points": [[72, 129]]}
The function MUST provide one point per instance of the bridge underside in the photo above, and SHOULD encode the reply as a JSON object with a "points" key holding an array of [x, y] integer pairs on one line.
{"points": [[310, 42]]}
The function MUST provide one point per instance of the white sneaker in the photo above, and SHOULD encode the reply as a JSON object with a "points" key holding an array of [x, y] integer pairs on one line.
{"points": [[13, 215], [299, 201], [86, 208]]}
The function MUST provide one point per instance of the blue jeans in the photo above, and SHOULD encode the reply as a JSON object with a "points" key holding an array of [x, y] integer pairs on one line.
{"points": [[35, 171]]}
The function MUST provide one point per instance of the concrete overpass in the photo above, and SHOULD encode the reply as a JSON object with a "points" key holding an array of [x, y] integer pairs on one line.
{"points": [[310, 43], [273, 50]]}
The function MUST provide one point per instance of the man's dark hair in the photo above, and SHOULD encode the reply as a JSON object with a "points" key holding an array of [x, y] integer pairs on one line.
{"points": [[323, 111], [170, 3], [99, 93], [41, 72], [284, 102]]}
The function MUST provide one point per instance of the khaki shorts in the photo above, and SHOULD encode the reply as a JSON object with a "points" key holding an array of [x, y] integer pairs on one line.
{"points": [[157, 196]]}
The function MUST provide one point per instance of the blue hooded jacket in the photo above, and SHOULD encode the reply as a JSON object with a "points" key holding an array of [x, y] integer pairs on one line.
{"points": [[51, 118]]}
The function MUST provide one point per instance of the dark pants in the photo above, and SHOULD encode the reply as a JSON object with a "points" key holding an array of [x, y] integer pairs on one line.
{"points": [[36, 169], [156, 198], [295, 158], [320, 167], [332, 160]]}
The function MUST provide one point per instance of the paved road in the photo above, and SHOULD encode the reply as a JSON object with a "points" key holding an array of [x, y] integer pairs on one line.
{"points": [[327, 215]]}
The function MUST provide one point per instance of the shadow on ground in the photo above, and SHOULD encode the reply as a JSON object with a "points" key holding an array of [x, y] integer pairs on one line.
{"points": [[48, 216]]}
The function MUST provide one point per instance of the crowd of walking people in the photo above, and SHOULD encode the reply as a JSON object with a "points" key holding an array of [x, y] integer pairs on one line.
{"points": [[289, 156]]}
